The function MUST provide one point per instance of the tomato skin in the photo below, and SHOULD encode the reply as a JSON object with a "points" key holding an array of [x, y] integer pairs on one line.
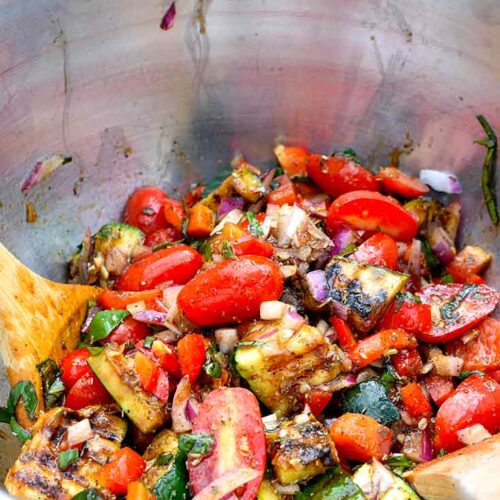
{"points": [[415, 402], [167, 358], [479, 303], [232, 291], [407, 362], [410, 316], [142, 201], [232, 416], [293, 159], [191, 352], [481, 352], [73, 366], [439, 387], [345, 336], [129, 330], [175, 264], [249, 245], [164, 235], [397, 182], [87, 391], [174, 213], [283, 195], [109, 299], [337, 176], [378, 250], [475, 401], [369, 211], [318, 401], [125, 467]]}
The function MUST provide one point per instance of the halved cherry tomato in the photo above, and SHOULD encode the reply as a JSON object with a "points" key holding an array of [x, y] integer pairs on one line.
{"points": [[411, 316], [317, 401], [129, 330], [191, 351], [375, 346], [360, 437], [73, 366], [415, 402], [456, 308], [232, 416], [481, 352], [397, 182], [163, 235], [125, 467], [174, 212], [378, 250], [110, 299], [407, 363], [345, 336], [250, 245], [369, 211], [439, 387], [145, 209], [475, 401], [284, 194], [201, 221], [87, 391], [293, 160], [232, 291], [337, 176], [175, 264], [167, 358]]}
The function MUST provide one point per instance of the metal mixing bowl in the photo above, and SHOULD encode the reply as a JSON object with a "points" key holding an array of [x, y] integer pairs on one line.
{"points": [[133, 105]]}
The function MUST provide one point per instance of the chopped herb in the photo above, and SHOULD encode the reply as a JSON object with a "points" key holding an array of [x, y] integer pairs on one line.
{"points": [[348, 250], [26, 390], [447, 278], [94, 350], [212, 366], [148, 211], [68, 457], [441, 452], [90, 494], [164, 459], [254, 225], [196, 444], [489, 174], [467, 373], [161, 246], [399, 463], [348, 154], [279, 171], [67, 159], [148, 342], [217, 180], [104, 323], [250, 343], [91, 303], [20, 432], [449, 310], [227, 251], [389, 377], [402, 297], [432, 261], [303, 178]]}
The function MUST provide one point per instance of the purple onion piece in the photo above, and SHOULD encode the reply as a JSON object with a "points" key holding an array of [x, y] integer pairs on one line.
{"points": [[151, 316], [340, 241], [441, 244], [444, 182], [318, 287], [339, 309], [168, 19], [90, 316], [228, 204], [43, 169], [191, 411], [427, 450]]}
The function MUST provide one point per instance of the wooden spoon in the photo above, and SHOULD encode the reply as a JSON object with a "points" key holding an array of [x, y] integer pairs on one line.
{"points": [[39, 319]]}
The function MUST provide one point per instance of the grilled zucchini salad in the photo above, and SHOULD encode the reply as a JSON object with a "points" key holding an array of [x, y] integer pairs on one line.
{"points": [[309, 331]]}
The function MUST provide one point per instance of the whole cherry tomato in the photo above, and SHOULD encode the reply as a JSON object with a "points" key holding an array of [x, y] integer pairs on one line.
{"points": [[145, 209], [73, 366], [378, 250], [87, 391], [399, 183], [175, 264], [232, 291], [129, 330]]}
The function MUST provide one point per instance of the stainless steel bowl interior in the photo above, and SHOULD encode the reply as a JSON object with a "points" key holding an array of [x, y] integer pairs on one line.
{"points": [[134, 105]]}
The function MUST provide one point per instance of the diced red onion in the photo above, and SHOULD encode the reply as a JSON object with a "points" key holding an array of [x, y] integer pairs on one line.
{"points": [[291, 220], [228, 204], [79, 432], [191, 409], [292, 320], [151, 316], [339, 309], [444, 182], [90, 316], [473, 434], [272, 309], [268, 334], [170, 295], [449, 366], [268, 178], [227, 483], [316, 281], [233, 216], [180, 421], [226, 339], [416, 260], [43, 169], [136, 307], [322, 326], [417, 446], [337, 384], [316, 205], [341, 239], [168, 19], [427, 449], [270, 422], [441, 243]]}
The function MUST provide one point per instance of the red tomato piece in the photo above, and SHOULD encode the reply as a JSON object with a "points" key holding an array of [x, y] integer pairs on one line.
{"points": [[337, 176], [455, 309], [73, 366], [162, 388], [369, 211], [194, 195], [494, 374], [413, 317], [375, 346], [293, 160], [110, 299], [87, 391], [232, 416], [407, 363], [145, 209], [125, 467], [378, 250], [317, 401], [167, 358], [175, 264], [481, 352], [191, 351], [232, 291], [345, 336], [164, 235], [415, 401], [284, 194], [475, 401], [439, 387], [399, 183], [129, 330], [147, 371], [249, 245]]}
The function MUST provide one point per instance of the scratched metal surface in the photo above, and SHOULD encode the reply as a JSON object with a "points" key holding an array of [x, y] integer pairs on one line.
{"points": [[134, 105]]}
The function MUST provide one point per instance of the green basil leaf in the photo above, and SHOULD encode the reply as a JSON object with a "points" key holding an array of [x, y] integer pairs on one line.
{"points": [[212, 366], [90, 494], [104, 323], [148, 342], [348, 250], [447, 278], [254, 225], [399, 463], [26, 390], [449, 309], [197, 444], [68, 457], [21, 433], [52, 385], [164, 459], [467, 373], [402, 297], [227, 251]]}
